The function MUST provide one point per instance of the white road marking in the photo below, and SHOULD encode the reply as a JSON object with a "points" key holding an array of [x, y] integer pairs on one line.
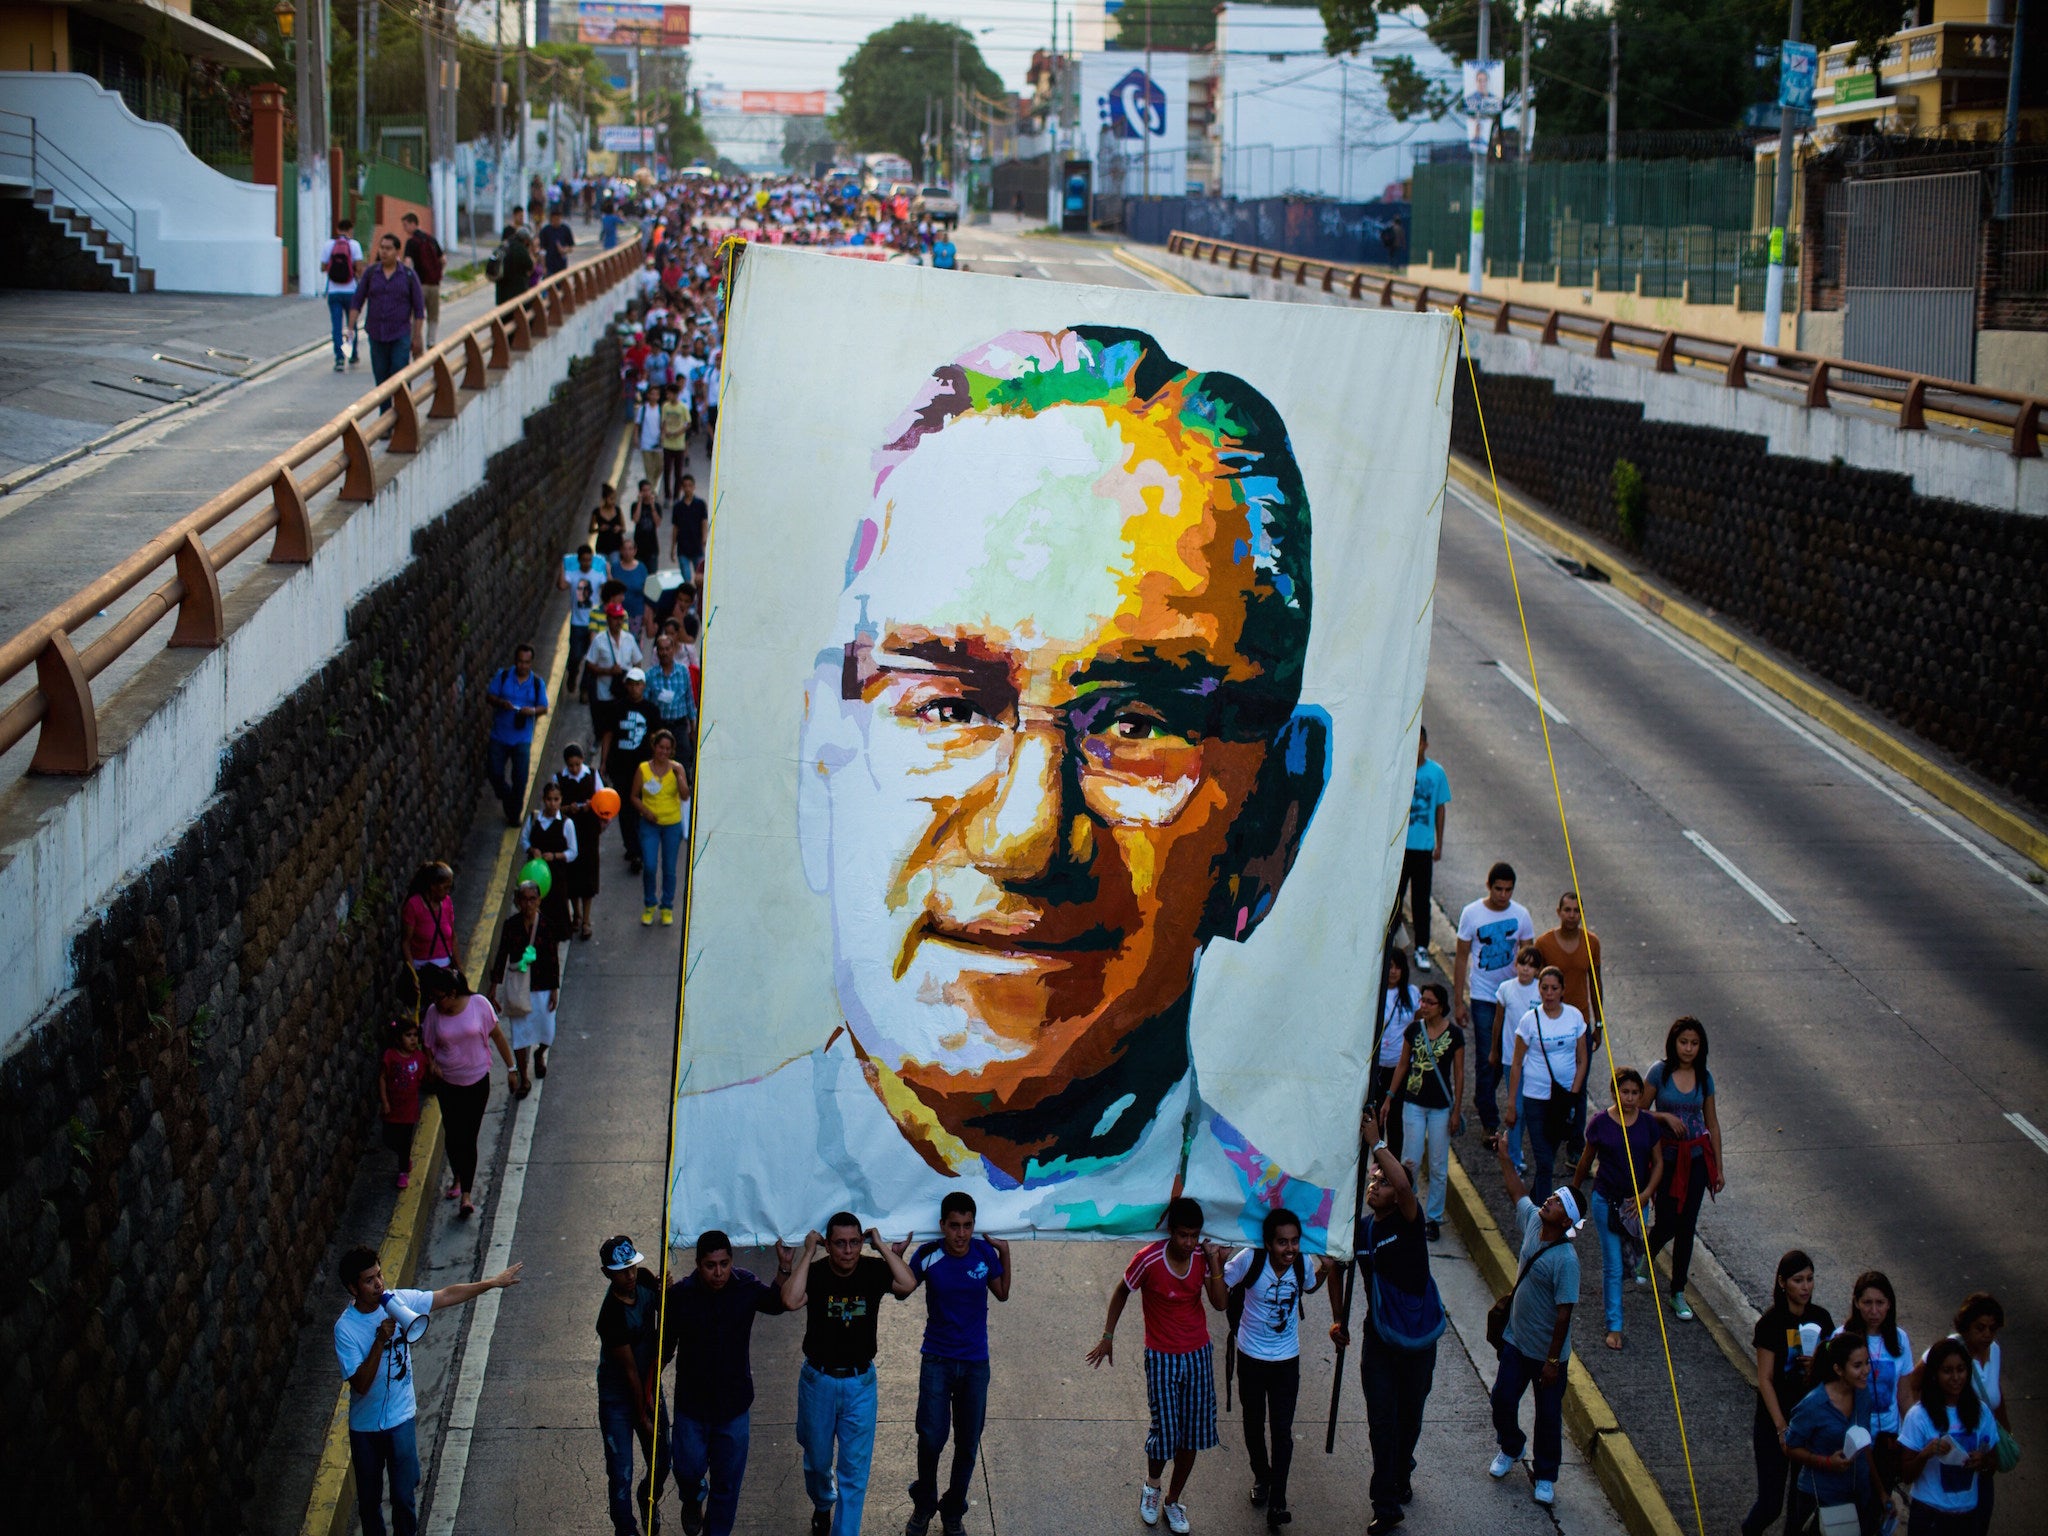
{"points": [[476, 1358], [2029, 1130], [1717, 669], [1727, 868], [1529, 693]]}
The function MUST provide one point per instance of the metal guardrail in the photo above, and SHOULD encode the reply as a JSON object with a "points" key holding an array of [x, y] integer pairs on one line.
{"points": [[1824, 380], [62, 700], [50, 170]]}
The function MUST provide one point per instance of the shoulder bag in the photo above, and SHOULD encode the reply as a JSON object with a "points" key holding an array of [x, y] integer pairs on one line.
{"points": [[2008, 1456], [1405, 1319], [1557, 1109], [517, 988], [1497, 1314]]}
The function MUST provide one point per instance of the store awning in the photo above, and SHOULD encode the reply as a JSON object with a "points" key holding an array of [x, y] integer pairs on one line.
{"points": [[160, 21]]}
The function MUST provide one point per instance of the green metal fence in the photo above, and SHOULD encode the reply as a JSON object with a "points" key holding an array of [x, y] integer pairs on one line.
{"points": [[1664, 228]]}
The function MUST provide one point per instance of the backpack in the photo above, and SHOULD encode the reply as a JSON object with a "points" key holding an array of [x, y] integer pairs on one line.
{"points": [[341, 266], [1404, 1319], [429, 260], [1233, 1308], [494, 264]]}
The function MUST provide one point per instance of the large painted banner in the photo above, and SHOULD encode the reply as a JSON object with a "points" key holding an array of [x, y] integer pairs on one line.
{"points": [[1062, 673]]}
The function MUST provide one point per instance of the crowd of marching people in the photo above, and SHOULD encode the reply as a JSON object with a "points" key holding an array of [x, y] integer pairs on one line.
{"points": [[1853, 1432]]}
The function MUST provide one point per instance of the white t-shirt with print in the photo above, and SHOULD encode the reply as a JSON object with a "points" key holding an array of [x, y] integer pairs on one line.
{"points": [[1270, 1326], [1887, 1370], [1496, 938], [389, 1402], [1549, 1040], [1944, 1486], [605, 652]]}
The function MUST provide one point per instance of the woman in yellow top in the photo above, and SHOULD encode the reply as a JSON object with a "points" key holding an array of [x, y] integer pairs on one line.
{"points": [[662, 797], [675, 442]]}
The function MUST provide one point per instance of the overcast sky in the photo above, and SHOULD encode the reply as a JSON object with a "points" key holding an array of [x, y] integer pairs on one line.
{"points": [[798, 45]]}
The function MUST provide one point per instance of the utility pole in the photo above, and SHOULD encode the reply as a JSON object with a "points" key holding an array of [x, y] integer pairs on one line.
{"points": [[522, 93], [1482, 138], [953, 123], [1614, 108], [1144, 121], [362, 79], [1343, 129], [2012, 112], [1052, 124], [498, 119], [316, 211], [1781, 209], [1528, 95]]}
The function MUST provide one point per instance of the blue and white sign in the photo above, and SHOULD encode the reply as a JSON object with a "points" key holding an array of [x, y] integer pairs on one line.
{"points": [[1141, 111], [1798, 64]]}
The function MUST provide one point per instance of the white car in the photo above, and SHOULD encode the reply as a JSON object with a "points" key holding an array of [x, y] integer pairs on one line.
{"points": [[936, 203]]}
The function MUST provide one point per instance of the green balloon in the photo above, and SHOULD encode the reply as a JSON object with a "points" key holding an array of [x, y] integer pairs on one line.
{"points": [[537, 871]]}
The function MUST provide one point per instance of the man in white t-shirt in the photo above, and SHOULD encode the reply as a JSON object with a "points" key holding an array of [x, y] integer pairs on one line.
{"points": [[376, 1362], [1269, 1285], [341, 264], [1490, 933]]}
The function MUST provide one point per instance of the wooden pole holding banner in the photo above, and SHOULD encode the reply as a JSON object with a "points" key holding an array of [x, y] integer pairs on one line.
{"points": [[1379, 1024]]}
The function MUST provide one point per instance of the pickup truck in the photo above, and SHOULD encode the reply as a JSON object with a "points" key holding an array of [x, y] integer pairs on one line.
{"points": [[936, 203]]}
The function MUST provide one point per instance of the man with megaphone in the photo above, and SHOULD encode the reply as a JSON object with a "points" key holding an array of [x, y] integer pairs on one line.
{"points": [[373, 1340]]}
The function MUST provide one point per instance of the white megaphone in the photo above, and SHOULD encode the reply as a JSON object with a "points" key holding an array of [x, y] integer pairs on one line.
{"points": [[412, 1327]]}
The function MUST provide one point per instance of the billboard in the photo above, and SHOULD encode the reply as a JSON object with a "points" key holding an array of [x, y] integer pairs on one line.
{"points": [[632, 23], [624, 138], [1053, 781], [788, 103]]}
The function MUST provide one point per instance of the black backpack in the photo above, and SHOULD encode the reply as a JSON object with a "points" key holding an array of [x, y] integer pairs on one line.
{"points": [[1233, 1307], [341, 267], [494, 264]]}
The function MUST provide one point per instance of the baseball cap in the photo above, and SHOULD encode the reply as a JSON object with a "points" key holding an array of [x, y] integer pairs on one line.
{"points": [[619, 1253], [615, 610], [636, 675]]}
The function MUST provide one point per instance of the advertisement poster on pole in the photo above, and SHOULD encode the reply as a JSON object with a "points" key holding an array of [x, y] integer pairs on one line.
{"points": [[1483, 84], [1798, 63]]}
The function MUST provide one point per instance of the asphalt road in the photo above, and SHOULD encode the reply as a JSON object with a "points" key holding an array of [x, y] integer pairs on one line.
{"points": [[1867, 1053]]}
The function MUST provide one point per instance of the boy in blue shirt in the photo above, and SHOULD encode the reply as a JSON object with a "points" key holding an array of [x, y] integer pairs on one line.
{"points": [[959, 1273]]}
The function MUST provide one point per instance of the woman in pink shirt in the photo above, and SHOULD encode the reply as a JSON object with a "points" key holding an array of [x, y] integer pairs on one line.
{"points": [[427, 919], [460, 1030]]}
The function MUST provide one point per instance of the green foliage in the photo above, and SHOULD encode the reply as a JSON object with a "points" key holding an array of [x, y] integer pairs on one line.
{"points": [[1684, 63], [883, 87], [1866, 23], [1626, 483]]}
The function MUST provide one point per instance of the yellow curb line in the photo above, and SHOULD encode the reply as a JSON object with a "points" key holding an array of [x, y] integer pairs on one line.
{"points": [[332, 1505], [1164, 278], [2010, 828], [1629, 1486]]}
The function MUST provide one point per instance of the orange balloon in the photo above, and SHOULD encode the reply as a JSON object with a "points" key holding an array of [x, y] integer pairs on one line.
{"points": [[606, 803]]}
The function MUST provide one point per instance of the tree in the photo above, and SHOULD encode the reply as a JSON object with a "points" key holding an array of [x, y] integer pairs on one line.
{"points": [[805, 141], [883, 88], [1866, 23]]}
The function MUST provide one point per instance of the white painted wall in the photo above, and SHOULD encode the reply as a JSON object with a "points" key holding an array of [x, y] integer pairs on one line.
{"points": [[199, 231], [1292, 119], [151, 788], [1983, 475]]}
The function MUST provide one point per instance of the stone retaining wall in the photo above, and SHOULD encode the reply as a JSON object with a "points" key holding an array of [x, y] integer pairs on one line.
{"points": [[178, 1135]]}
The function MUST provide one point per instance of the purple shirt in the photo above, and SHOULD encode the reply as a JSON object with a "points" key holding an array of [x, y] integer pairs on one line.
{"points": [[390, 304]]}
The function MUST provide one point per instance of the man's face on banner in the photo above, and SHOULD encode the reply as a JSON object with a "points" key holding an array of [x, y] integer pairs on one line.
{"points": [[1037, 738]]}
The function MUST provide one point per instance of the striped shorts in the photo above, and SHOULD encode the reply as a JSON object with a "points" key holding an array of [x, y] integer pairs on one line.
{"points": [[1181, 1391]]}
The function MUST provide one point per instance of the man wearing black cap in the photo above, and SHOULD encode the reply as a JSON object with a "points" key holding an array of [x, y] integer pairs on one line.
{"points": [[709, 1330], [627, 1330]]}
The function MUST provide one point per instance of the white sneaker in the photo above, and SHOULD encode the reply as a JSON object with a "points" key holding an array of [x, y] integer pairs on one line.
{"points": [[1177, 1519], [1546, 1493], [1148, 1504], [1421, 958], [1501, 1465]]}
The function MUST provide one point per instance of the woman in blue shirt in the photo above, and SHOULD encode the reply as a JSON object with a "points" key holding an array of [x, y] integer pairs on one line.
{"points": [[1814, 1435]]}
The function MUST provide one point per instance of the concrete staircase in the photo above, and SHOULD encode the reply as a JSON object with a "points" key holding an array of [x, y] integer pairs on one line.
{"points": [[95, 243]]}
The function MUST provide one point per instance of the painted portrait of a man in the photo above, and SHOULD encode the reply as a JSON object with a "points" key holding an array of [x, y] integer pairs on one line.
{"points": [[1052, 750]]}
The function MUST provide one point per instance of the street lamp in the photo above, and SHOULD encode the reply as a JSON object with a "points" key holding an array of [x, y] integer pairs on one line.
{"points": [[286, 16]]}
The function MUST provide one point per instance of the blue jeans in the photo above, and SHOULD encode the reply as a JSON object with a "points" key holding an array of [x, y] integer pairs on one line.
{"points": [[374, 1452], [663, 845], [337, 316], [836, 1410], [719, 1450], [1517, 1373], [1485, 1075], [387, 357], [1426, 1138], [1611, 1276], [618, 1427], [951, 1395], [509, 787], [1542, 1163]]}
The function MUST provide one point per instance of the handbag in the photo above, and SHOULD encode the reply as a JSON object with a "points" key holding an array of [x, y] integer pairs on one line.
{"points": [[1497, 1314], [1557, 1109], [1837, 1520], [2008, 1451], [517, 988]]}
